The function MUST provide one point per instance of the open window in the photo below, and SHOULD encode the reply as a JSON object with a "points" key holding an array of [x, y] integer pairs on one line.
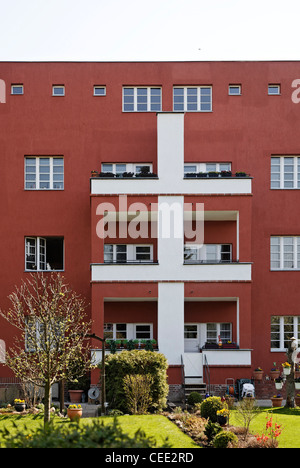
{"points": [[44, 253]]}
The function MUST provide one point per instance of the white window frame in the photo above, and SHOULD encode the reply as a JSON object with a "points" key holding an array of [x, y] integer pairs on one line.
{"points": [[232, 88], [131, 253], [99, 87], [14, 87], [198, 102], [39, 244], [280, 176], [131, 332], [150, 106], [37, 182], [56, 88], [129, 167], [218, 331], [285, 249], [203, 167], [282, 333], [274, 89], [201, 253]]}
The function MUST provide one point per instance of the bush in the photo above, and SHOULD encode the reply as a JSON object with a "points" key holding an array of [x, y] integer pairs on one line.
{"points": [[134, 362], [211, 430], [224, 438], [193, 398], [209, 408], [137, 390], [76, 435]]}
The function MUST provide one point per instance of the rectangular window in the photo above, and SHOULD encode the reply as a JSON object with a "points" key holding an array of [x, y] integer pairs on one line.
{"points": [[58, 90], [285, 172], [234, 90], [142, 99], [192, 99], [120, 168], [44, 253], [208, 253], [273, 89], [128, 331], [17, 89], [143, 332], [44, 173], [214, 330], [190, 168], [99, 90], [190, 332], [285, 252], [127, 253], [282, 329]]}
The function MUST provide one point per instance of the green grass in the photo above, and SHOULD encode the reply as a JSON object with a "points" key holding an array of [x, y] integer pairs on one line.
{"points": [[288, 418], [156, 426]]}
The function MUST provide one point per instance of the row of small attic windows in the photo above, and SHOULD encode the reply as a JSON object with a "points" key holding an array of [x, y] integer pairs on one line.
{"points": [[59, 90]]}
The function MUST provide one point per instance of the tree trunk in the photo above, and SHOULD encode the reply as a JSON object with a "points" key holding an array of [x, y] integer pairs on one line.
{"points": [[47, 402], [290, 381]]}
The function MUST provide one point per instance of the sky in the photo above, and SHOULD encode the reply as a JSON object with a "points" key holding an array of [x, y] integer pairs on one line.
{"points": [[154, 30]]}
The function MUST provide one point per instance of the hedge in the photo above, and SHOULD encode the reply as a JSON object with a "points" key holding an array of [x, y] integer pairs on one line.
{"points": [[117, 366]]}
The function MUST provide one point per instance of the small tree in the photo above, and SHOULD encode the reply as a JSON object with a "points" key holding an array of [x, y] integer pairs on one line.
{"points": [[137, 390], [50, 318], [246, 411]]}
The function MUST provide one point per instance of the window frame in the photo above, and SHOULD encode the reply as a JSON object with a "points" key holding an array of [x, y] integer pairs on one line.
{"points": [[56, 87], [198, 102], [40, 251], [37, 173], [135, 101], [129, 167], [282, 173], [295, 252], [130, 253], [16, 85], [274, 86], [131, 331], [234, 86], [201, 253], [281, 331], [99, 87], [202, 167]]}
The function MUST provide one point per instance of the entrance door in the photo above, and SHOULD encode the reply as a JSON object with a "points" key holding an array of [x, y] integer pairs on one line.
{"points": [[191, 337]]}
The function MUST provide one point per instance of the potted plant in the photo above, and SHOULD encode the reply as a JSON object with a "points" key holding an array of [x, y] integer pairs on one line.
{"points": [[226, 173], [286, 368], [275, 372], [258, 373], [213, 174], [94, 173], [297, 372], [154, 344], [222, 416], [297, 383], [19, 405], [202, 175], [74, 412], [240, 174], [143, 344], [106, 174], [190, 174], [118, 344], [279, 383], [128, 174], [277, 400], [124, 343], [297, 399]]}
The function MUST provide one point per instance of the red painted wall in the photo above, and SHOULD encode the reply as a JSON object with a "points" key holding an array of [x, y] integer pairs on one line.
{"points": [[87, 130]]}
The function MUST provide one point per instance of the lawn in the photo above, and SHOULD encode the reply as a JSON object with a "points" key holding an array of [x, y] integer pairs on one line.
{"points": [[160, 427]]}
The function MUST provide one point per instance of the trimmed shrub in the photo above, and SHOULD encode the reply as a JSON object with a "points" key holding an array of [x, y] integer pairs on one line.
{"points": [[193, 398], [135, 362], [210, 406], [211, 430], [224, 438]]}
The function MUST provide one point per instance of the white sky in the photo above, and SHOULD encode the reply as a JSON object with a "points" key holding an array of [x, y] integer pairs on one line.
{"points": [[156, 30]]}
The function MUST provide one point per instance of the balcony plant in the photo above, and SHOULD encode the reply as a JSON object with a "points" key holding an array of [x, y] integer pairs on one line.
{"points": [[226, 173], [145, 172], [127, 174], [154, 344], [202, 175], [190, 175], [258, 373], [240, 174], [286, 368], [213, 174], [94, 173], [106, 174]]}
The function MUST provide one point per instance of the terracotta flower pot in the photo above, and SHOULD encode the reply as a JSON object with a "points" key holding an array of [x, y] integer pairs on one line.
{"points": [[275, 374], [297, 400], [74, 413], [258, 375], [276, 402], [75, 396]]}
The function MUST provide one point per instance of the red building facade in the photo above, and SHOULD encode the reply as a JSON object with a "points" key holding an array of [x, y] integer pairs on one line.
{"points": [[212, 146]]}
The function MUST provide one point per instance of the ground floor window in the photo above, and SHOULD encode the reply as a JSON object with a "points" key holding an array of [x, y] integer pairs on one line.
{"points": [[196, 335], [282, 330], [128, 331]]}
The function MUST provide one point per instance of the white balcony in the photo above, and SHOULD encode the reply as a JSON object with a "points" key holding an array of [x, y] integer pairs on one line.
{"points": [[183, 272]]}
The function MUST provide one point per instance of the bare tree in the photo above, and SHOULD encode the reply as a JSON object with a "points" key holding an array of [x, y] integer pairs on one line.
{"points": [[52, 333]]}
